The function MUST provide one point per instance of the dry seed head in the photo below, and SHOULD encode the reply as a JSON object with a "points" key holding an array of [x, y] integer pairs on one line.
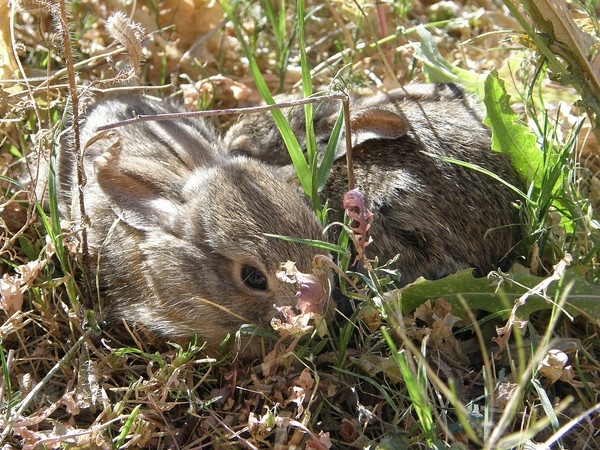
{"points": [[129, 34], [34, 5]]}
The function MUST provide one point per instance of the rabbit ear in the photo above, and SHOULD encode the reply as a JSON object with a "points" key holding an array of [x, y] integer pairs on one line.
{"points": [[141, 193], [374, 123], [377, 123]]}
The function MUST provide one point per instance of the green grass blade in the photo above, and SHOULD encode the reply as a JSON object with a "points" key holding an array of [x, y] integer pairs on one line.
{"points": [[483, 170], [330, 152], [311, 145], [311, 242], [127, 426], [414, 390], [278, 27], [296, 155]]}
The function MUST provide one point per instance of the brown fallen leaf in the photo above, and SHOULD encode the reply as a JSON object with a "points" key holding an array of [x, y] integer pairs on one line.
{"points": [[554, 367], [505, 392], [440, 323], [299, 391], [349, 430], [574, 43], [320, 442], [12, 287]]}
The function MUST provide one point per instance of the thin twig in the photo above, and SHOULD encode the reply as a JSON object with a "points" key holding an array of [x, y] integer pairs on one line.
{"points": [[570, 425], [45, 81], [75, 114], [252, 110], [37, 389], [219, 112]]}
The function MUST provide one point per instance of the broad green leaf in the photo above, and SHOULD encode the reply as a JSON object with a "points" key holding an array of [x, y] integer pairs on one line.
{"points": [[509, 135], [485, 294]]}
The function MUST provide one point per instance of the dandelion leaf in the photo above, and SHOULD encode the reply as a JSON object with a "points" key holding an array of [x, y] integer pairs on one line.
{"points": [[491, 295], [509, 135]]}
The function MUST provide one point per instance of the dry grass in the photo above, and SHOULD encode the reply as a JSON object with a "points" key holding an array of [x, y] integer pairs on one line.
{"points": [[68, 379]]}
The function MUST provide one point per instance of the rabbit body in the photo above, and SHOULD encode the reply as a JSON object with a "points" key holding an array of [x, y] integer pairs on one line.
{"points": [[178, 227], [436, 217]]}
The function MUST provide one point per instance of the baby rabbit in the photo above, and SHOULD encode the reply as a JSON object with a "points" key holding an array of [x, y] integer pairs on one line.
{"points": [[178, 228], [435, 216]]}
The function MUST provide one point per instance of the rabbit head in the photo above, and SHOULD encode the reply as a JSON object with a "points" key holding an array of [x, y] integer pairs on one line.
{"points": [[179, 231]]}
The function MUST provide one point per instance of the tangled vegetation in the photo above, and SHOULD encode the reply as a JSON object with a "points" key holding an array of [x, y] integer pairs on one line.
{"points": [[511, 360]]}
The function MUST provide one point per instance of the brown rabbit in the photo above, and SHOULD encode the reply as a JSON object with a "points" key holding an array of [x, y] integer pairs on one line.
{"points": [[178, 227], [435, 216]]}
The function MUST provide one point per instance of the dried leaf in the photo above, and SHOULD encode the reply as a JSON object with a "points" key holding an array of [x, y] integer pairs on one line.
{"points": [[505, 393], [554, 366], [298, 392], [375, 364], [440, 323], [292, 324], [575, 44], [12, 287], [70, 403], [348, 430], [11, 294], [446, 343], [371, 317], [230, 93], [322, 442], [261, 426]]}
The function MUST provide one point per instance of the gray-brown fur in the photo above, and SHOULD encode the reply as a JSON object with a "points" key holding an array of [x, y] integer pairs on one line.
{"points": [[173, 220], [437, 216]]}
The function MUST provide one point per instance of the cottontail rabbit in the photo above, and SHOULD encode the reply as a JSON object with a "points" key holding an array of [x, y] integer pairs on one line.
{"points": [[178, 227], [438, 217]]}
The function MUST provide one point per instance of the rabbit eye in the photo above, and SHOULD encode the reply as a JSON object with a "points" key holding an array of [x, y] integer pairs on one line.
{"points": [[239, 152], [254, 278]]}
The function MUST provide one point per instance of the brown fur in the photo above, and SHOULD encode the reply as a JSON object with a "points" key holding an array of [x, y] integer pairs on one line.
{"points": [[173, 221], [436, 216]]}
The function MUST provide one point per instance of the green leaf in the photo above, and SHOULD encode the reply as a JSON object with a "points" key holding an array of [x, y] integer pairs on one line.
{"points": [[437, 69], [485, 294], [127, 427], [509, 135]]}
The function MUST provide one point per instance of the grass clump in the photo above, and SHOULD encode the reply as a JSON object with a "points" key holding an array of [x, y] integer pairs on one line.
{"points": [[508, 361]]}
